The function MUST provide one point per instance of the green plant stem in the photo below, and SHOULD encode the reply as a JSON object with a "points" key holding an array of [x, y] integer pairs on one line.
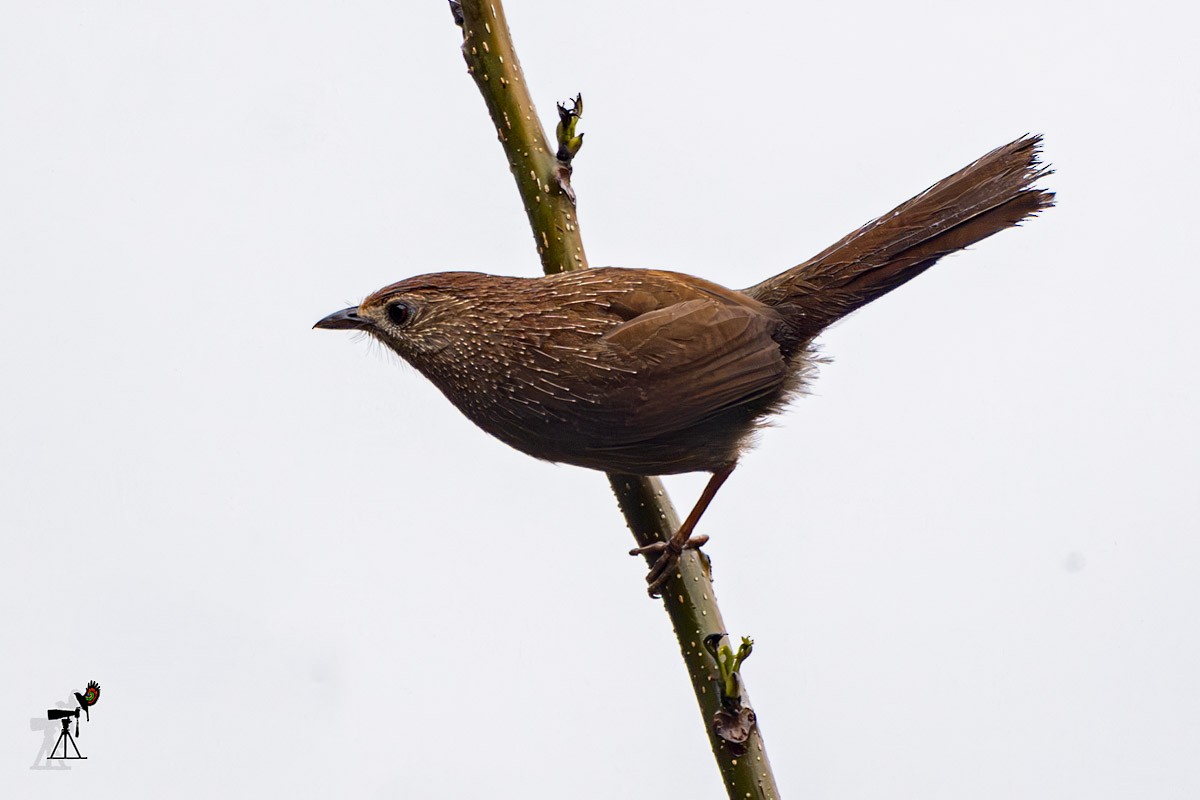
{"points": [[692, 607], [688, 597], [492, 62]]}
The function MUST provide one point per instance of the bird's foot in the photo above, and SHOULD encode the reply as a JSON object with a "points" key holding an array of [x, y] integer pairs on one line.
{"points": [[668, 556]]}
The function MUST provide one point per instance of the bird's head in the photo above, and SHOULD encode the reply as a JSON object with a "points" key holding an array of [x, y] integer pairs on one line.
{"points": [[418, 317]]}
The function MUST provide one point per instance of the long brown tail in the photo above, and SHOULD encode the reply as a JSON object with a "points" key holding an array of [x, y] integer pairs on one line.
{"points": [[983, 198]]}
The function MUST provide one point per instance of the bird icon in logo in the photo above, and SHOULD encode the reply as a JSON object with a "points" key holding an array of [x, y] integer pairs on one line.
{"points": [[88, 698]]}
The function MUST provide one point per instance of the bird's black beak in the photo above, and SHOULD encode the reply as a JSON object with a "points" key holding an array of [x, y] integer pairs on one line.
{"points": [[346, 319]]}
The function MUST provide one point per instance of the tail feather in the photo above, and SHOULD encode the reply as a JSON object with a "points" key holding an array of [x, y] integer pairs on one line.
{"points": [[985, 197]]}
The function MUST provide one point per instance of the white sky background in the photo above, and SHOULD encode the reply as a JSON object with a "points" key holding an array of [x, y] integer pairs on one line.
{"points": [[970, 561]]}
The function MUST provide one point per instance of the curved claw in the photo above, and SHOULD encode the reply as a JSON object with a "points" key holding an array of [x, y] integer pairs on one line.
{"points": [[656, 547], [669, 553]]}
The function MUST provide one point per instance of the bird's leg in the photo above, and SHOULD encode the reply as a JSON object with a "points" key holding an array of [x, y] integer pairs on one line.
{"points": [[670, 550]]}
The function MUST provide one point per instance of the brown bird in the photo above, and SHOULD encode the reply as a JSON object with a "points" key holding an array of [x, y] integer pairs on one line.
{"points": [[648, 372]]}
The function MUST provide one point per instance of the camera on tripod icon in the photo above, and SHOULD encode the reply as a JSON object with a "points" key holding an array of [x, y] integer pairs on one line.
{"points": [[86, 700]]}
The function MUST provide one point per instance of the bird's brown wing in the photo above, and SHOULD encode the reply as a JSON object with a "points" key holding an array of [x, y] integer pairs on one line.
{"points": [[694, 360]]}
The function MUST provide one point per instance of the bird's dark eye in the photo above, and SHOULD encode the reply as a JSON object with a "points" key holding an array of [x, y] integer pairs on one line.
{"points": [[398, 313]]}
